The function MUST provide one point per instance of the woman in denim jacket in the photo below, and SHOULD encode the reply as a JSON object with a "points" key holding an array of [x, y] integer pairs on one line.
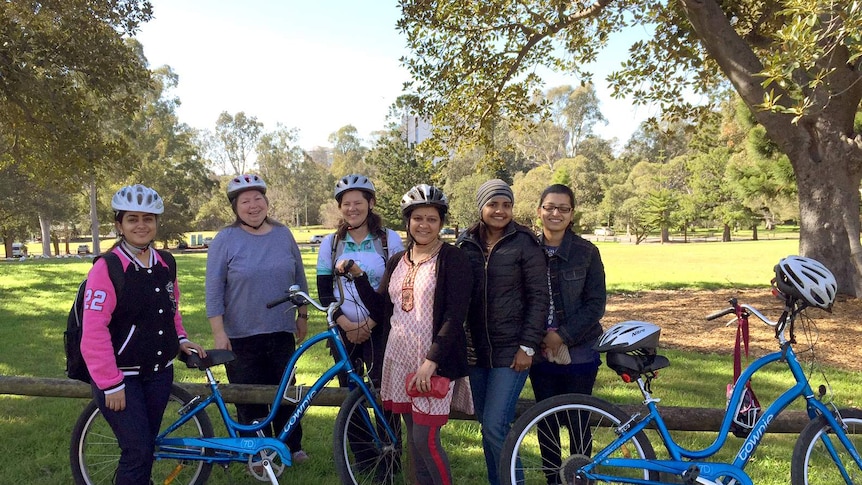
{"points": [[576, 282]]}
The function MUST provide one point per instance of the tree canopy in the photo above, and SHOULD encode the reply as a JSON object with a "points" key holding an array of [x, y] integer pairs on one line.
{"points": [[795, 64]]}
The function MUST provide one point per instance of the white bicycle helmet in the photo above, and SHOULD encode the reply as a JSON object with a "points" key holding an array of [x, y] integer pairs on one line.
{"points": [[353, 182], [241, 183], [806, 279], [423, 194], [629, 336], [137, 198]]}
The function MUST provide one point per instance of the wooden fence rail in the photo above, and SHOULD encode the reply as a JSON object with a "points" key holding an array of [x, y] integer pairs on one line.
{"points": [[676, 418]]}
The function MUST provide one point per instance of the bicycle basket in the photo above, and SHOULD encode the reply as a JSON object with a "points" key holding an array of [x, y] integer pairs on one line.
{"points": [[746, 412]]}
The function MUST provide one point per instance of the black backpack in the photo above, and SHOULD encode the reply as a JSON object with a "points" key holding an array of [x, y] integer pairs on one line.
{"points": [[76, 368]]}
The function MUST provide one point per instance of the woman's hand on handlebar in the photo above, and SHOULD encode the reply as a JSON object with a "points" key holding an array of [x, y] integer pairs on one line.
{"points": [[348, 266]]}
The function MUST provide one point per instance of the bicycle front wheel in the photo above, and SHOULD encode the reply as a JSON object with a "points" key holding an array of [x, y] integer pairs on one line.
{"points": [[818, 453], [94, 452], [557, 436], [364, 452]]}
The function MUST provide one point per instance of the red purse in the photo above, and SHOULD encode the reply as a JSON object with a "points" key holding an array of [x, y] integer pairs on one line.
{"points": [[439, 387]]}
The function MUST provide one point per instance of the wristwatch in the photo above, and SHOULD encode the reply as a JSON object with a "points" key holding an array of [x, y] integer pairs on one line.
{"points": [[528, 350]]}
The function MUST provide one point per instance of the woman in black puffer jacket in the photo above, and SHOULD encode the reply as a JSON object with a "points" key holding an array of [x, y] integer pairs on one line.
{"points": [[507, 315]]}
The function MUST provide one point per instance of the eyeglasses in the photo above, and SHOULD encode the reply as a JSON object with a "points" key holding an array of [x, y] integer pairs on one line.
{"points": [[562, 208]]}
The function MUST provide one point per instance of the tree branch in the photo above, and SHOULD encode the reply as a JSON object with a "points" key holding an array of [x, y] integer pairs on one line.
{"points": [[553, 28]]}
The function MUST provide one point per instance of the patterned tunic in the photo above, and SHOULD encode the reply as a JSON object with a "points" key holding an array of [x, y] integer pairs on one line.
{"points": [[409, 341]]}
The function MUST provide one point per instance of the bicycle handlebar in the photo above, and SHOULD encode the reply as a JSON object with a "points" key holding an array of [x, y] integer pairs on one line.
{"points": [[749, 308], [298, 297], [726, 311]]}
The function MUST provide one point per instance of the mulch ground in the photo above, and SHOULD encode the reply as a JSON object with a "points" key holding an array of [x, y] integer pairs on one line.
{"points": [[681, 315]]}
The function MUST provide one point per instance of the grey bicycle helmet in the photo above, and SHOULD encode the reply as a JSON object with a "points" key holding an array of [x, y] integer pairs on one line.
{"points": [[424, 194], [353, 182], [137, 198], [241, 183], [629, 336], [806, 279]]}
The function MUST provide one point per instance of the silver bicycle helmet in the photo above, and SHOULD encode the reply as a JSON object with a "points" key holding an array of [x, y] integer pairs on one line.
{"points": [[353, 182], [629, 336], [424, 194], [806, 279], [241, 183], [138, 198]]}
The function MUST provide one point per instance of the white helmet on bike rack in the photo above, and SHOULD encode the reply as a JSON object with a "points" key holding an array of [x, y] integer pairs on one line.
{"points": [[353, 182], [137, 198], [628, 337], [806, 279]]}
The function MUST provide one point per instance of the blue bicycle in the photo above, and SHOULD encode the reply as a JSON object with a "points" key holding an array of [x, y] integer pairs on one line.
{"points": [[580, 439], [367, 447]]}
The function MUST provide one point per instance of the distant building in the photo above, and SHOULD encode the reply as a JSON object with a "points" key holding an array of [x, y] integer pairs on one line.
{"points": [[415, 128]]}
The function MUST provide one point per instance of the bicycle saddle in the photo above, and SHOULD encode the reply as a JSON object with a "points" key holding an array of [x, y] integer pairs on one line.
{"points": [[634, 365], [214, 357]]}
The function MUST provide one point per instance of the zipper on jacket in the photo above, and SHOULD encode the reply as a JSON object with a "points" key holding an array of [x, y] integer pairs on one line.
{"points": [[488, 260]]}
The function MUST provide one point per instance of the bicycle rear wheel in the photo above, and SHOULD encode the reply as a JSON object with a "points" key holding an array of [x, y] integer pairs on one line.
{"points": [[94, 452], [364, 453], [812, 462], [555, 437]]}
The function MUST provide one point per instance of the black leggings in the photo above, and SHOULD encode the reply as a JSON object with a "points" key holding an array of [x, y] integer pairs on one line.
{"points": [[427, 456]]}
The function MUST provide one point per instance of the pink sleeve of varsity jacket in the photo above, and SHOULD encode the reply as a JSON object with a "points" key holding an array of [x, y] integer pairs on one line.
{"points": [[96, 348]]}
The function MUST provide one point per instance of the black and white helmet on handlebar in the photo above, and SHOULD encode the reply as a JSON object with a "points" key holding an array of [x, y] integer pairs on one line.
{"points": [[806, 279], [629, 336]]}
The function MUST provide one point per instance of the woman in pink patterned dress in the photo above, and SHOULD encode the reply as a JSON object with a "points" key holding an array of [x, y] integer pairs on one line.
{"points": [[421, 304]]}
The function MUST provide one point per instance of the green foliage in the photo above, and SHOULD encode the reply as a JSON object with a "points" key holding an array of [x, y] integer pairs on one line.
{"points": [[69, 71], [348, 153], [398, 169], [235, 138], [296, 185]]}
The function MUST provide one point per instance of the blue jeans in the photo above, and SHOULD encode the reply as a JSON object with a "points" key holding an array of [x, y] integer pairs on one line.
{"points": [[495, 394], [137, 425]]}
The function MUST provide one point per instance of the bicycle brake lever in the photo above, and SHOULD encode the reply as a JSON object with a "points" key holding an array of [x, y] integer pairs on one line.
{"points": [[734, 320]]}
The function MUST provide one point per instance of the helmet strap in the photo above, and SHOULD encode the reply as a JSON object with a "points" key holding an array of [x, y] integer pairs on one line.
{"points": [[131, 248], [254, 227], [364, 221]]}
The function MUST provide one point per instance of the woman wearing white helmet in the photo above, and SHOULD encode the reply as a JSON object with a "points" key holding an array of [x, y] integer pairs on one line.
{"points": [[130, 338], [421, 305], [249, 263], [360, 237]]}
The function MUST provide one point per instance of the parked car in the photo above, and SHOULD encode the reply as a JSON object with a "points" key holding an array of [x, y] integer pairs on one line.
{"points": [[19, 250], [207, 241], [182, 245], [317, 238], [447, 231], [603, 231], [83, 249]]}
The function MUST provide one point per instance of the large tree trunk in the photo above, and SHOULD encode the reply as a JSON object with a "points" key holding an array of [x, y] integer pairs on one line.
{"points": [[45, 228], [825, 152], [829, 218], [94, 215]]}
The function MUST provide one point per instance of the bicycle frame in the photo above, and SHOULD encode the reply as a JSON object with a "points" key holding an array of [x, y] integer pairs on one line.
{"points": [[235, 448], [677, 464]]}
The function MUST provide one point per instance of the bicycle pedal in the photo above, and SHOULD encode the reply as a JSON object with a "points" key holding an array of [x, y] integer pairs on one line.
{"points": [[689, 477]]}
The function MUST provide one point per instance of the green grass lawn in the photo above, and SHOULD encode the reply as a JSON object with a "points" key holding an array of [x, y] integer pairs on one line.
{"points": [[36, 295]]}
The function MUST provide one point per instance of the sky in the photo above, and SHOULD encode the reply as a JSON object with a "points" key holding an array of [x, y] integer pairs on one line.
{"points": [[314, 65]]}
